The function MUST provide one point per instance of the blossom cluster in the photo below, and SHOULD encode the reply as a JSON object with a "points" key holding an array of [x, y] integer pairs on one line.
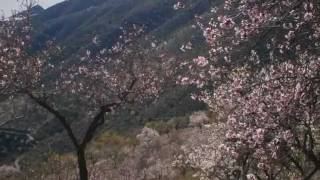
{"points": [[19, 70], [263, 77]]}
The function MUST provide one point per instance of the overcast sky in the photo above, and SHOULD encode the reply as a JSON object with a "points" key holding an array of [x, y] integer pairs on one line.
{"points": [[8, 5]]}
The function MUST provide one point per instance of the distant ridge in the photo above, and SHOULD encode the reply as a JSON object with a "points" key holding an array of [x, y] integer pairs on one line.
{"points": [[74, 23]]}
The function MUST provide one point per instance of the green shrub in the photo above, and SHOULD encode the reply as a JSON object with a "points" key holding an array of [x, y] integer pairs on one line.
{"points": [[179, 122], [164, 127], [160, 126], [114, 139]]}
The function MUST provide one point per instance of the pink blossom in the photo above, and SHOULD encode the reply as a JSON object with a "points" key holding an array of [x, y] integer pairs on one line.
{"points": [[178, 5], [201, 61], [308, 16]]}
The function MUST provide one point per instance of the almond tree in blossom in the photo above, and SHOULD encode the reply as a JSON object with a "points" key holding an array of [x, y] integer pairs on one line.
{"points": [[99, 82], [264, 66]]}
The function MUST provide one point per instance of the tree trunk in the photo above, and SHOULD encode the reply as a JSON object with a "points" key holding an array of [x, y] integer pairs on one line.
{"points": [[82, 165]]}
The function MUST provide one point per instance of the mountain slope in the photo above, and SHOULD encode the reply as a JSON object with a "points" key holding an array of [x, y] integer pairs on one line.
{"points": [[74, 23]]}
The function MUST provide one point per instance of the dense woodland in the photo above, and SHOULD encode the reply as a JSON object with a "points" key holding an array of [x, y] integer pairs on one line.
{"points": [[161, 89]]}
